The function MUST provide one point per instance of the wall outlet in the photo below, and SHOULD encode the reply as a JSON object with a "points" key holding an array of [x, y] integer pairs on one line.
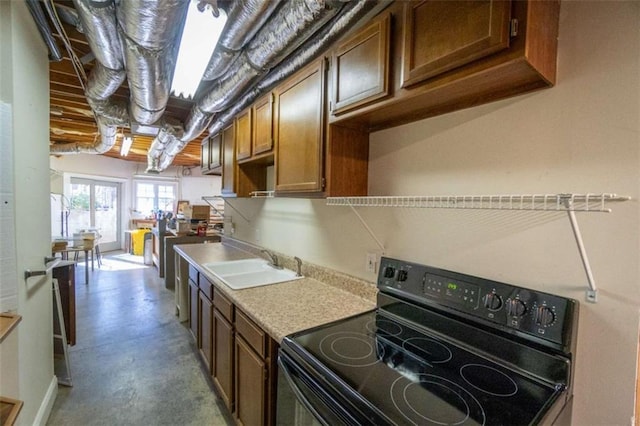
{"points": [[372, 263]]}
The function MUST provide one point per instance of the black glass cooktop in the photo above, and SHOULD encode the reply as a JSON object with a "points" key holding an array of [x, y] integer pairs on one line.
{"points": [[412, 376]]}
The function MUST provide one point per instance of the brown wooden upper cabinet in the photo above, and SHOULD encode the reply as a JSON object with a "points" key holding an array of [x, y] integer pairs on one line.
{"points": [[204, 156], [442, 35], [228, 161], [211, 156], [299, 131], [243, 135], [451, 55], [360, 66], [263, 125]]}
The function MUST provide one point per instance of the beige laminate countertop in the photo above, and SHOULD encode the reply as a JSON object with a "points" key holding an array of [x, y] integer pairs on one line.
{"points": [[280, 309]]}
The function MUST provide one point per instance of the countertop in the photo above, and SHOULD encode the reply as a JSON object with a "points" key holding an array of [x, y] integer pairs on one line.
{"points": [[284, 308]]}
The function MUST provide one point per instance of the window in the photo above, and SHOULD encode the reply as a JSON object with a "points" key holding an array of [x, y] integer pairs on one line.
{"points": [[151, 197]]}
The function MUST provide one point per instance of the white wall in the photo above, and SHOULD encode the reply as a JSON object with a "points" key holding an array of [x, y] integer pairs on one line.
{"points": [[24, 76], [581, 136]]}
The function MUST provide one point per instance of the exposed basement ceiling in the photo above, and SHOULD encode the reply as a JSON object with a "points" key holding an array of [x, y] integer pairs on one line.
{"points": [[264, 42]]}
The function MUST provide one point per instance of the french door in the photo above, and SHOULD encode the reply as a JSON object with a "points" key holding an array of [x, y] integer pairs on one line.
{"points": [[96, 205]]}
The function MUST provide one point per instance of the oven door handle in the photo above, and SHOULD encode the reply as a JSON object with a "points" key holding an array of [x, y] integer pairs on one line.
{"points": [[293, 374]]}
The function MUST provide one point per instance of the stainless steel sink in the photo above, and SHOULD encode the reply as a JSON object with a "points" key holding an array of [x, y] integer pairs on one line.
{"points": [[247, 273]]}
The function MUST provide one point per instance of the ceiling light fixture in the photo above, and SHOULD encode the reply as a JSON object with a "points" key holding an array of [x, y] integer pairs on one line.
{"points": [[127, 141], [199, 38]]}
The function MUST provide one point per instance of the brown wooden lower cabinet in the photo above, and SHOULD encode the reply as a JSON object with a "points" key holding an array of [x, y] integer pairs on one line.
{"points": [[251, 381], [240, 357], [222, 370], [193, 311], [206, 330]]}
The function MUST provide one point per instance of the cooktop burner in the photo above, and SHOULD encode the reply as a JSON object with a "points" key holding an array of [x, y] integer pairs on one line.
{"points": [[442, 348], [448, 402], [414, 377]]}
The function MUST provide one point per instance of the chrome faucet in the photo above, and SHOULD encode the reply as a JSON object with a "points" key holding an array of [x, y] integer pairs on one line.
{"points": [[299, 266], [273, 258]]}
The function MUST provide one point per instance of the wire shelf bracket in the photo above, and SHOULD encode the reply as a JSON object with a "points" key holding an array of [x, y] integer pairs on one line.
{"points": [[209, 199], [569, 203]]}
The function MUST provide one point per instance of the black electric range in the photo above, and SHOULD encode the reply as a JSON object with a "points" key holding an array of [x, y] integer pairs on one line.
{"points": [[442, 348]]}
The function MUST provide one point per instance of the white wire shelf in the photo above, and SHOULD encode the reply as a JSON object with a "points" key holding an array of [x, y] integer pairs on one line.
{"points": [[262, 194], [534, 202], [569, 203]]}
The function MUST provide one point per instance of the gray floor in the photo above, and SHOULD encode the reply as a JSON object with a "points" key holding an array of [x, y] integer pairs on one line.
{"points": [[134, 363]]}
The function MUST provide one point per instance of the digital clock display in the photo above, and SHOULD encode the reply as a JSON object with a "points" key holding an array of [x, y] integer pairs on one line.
{"points": [[454, 292]]}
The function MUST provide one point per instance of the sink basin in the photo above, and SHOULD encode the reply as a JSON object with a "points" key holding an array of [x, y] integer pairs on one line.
{"points": [[247, 273]]}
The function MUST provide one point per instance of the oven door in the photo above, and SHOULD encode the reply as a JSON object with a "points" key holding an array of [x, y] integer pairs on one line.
{"points": [[303, 400]]}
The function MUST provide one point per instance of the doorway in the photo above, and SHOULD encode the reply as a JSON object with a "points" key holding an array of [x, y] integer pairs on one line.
{"points": [[95, 204]]}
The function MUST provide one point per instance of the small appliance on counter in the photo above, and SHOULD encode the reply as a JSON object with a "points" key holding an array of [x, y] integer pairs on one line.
{"points": [[442, 348]]}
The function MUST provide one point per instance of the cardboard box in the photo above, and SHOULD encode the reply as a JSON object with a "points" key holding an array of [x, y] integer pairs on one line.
{"points": [[200, 212]]}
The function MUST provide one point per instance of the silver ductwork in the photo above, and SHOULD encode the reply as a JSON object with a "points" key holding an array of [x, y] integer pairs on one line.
{"points": [[244, 19], [290, 26], [353, 13], [294, 22], [149, 33], [167, 136], [263, 43], [107, 75], [100, 28], [107, 140]]}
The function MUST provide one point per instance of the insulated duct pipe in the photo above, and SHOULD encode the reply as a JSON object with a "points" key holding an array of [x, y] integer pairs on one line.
{"points": [[294, 23], [244, 19], [149, 33], [290, 26], [107, 140], [353, 13], [105, 78]]}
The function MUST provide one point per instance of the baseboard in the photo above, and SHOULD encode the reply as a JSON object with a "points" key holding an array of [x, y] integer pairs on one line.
{"points": [[47, 403]]}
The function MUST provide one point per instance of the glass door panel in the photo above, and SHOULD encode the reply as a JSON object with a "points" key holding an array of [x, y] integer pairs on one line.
{"points": [[107, 214], [96, 205]]}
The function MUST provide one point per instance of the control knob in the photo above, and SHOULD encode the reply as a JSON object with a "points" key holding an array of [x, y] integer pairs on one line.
{"points": [[402, 275], [544, 316], [389, 272], [516, 307], [492, 301]]}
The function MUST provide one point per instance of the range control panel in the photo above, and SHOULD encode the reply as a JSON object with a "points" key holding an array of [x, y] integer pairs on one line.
{"points": [[515, 308]]}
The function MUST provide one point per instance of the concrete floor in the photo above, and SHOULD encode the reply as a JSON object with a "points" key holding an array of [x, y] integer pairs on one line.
{"points": [[133, 363]]}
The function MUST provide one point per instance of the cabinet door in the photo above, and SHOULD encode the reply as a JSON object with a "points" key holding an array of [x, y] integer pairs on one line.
{"points": [[204, 156], [263, 125], [222, 369], [215, 153], [251, 385], [360, 67], [243, 135], [300, 131], [228, 161], [442, 35], [206, 330], [193, 310]]}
